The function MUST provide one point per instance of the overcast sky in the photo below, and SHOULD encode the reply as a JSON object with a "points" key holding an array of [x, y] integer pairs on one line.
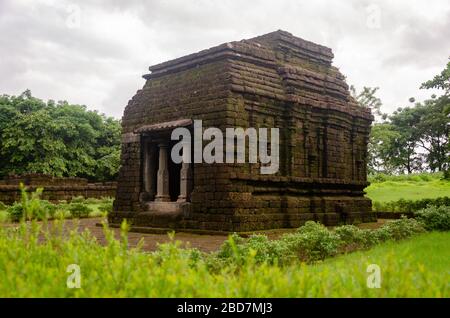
{"points": [[95, 52]]}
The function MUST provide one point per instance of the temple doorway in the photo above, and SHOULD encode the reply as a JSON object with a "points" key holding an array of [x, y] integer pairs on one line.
{"points": [[163, 180]]}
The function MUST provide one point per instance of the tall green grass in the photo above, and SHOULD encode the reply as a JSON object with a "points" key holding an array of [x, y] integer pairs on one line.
{"points": [[34, 267], [31, 206]]}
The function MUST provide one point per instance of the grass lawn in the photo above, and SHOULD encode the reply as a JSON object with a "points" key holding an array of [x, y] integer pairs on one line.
{"points": [[417, 267], [408, 190]]}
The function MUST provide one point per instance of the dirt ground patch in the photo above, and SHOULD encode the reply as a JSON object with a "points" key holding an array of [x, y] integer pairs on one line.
{"points": [[206, 243]]}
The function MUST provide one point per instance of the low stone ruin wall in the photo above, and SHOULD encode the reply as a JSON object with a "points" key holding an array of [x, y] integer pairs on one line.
{"points": [[55, 189], [394, 215]]}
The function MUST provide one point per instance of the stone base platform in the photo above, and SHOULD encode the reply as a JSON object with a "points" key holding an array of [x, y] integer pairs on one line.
{"points": [[160, 222]]}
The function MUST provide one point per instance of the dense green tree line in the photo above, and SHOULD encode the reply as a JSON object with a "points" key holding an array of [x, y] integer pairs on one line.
{"points": [[413, 138], [57, 138]]}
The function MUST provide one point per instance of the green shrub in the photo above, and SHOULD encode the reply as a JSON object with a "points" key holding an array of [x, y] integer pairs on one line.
{"points": [[409, 206], [399, 229], [4, 216], [232, 248], [107, 200], [31, 207], [446, 175], [270, 251], [78, 199], [38, 209], [353, 236], [49, 207], [377, 206], [3, 206], [106, 207], [79, 210], [257, 248], [435, 218], [62, 213], [15, 211], [379, 177], [312, 242], [92, 201]]}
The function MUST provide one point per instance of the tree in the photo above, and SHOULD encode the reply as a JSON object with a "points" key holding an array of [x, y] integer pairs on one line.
{"points": [[366, 98], [440, 81], [434, 132], [381, 148], [405, 156], [412, 138], [436, 122], [57, 138]]}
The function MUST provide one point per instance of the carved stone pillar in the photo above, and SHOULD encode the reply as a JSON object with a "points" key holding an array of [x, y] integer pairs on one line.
{"points": [[149, 168], [185, 182], [162, 187]]}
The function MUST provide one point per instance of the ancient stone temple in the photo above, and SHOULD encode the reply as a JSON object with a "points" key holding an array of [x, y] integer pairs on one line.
{"points": [[274, 80]]}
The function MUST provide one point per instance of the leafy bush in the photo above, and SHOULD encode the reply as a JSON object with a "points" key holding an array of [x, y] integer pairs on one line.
{"points": [[354, 237], [49, 208], [92, 201], [313, 242], [15, 211], [107, 200], [310, 243], [39, 209], [31, 207], [446, 175], [399, 229], [78, 199], [257, 248], [234, 248], [106, 207], [403, 205], [3, 206], [79, 210], [435, 218], [4, 217]]}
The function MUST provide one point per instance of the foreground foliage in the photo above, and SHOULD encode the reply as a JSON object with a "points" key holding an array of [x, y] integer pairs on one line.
{"points": [[36, 260], [435, 218], [32, 207], [28, 268], [313, 242]]}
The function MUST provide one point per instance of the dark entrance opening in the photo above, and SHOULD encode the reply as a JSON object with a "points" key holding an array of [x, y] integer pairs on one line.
{"points": [[174, 177]]}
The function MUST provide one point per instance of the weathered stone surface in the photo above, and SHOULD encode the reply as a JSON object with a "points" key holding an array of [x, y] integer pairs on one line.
{"points": [[275, 80], [55, 189]]}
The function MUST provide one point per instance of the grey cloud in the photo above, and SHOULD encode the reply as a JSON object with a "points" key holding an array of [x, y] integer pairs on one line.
{"points": [[95, 66]]}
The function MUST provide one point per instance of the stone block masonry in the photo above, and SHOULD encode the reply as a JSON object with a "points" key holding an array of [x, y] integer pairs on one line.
{"points": [[55, 189], [273, 81]]}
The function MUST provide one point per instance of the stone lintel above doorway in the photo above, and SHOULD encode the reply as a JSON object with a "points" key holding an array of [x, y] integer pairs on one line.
{"points": [[164, 126]]}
